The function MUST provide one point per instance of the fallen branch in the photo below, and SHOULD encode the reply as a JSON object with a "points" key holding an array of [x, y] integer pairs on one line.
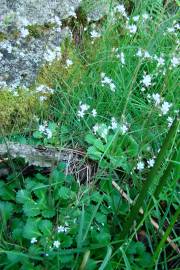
{"points": [[153, 222], [39, 156]]}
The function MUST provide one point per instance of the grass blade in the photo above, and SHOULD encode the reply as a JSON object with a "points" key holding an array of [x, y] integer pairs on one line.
{"points": [[168, 142]]}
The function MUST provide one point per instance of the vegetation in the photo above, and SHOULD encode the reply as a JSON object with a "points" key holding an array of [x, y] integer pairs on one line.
{"points": [[114, 100]]}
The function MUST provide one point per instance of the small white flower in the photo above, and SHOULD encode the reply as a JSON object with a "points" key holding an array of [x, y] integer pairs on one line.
{"points": [[83, 109], [157, 98], [122, 58], [124, 128], [121, 9], [95, 128], [94, 113], [136, 18], [151, 162], [42, 128], [139, 52], [95, 34], [62, 229], [165, 107], [112, 87], [132, 28], [146, 54], [56, 244], [104, 133], [160, 61], [69, 62], [145, 16], [48, 133], [140, 166], [81, 114], [33, 240], [147, 80], [114, 124], [170, 29], [170, 121], [175, 61], [24, 32]]}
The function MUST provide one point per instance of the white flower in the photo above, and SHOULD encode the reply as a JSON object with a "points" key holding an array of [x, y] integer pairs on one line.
{"points": [[170, 121], [62, 229], [139, 52], [52, 54], [114, 124], [170, 29], [146, 54], [122, 58], [136, 18], [82, 110], [132, 28], [165, 107], [24, 32], [84, 107], [157, 98], [69, 62], [42, 128], [95, 128], [80, 114], [42, 98], [160, 61], [104, 133], [44, 89], [140, 166], [112, 87], [121, 9], [151, 162], [175, 61], [94, 113], [95, 34], [146, 80], [56, 244], [48, 133], [145, 16], [33, 240], [124, 128]]}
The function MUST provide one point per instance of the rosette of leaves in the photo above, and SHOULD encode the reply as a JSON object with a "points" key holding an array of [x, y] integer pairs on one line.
{"points": [[115, 151]]}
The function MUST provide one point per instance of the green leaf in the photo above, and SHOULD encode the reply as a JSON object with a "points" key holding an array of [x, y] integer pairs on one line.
{"points": [[22, 196], [48, 213], [64, 193], [6, 210], [93, 153], [90, 138], [37, 135], [5, 192], [31, 229], [31, 209], [45, 227], [106, 259], [102, 237]]}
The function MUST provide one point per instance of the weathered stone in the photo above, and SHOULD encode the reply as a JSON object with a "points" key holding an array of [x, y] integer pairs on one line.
{"points": [[21, 54], [39, 11]]}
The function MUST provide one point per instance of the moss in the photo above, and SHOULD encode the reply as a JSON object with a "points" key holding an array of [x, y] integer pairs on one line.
{"points": [[17, 112], [36, 30], [57, 73], [2, 36]]}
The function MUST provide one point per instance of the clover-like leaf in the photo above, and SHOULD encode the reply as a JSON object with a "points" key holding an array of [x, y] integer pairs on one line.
{"points": [[31, 208], [31, 229], [45, 227]]}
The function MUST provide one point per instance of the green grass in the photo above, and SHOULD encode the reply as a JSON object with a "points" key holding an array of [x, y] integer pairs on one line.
{"points": [[104, 230]]}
